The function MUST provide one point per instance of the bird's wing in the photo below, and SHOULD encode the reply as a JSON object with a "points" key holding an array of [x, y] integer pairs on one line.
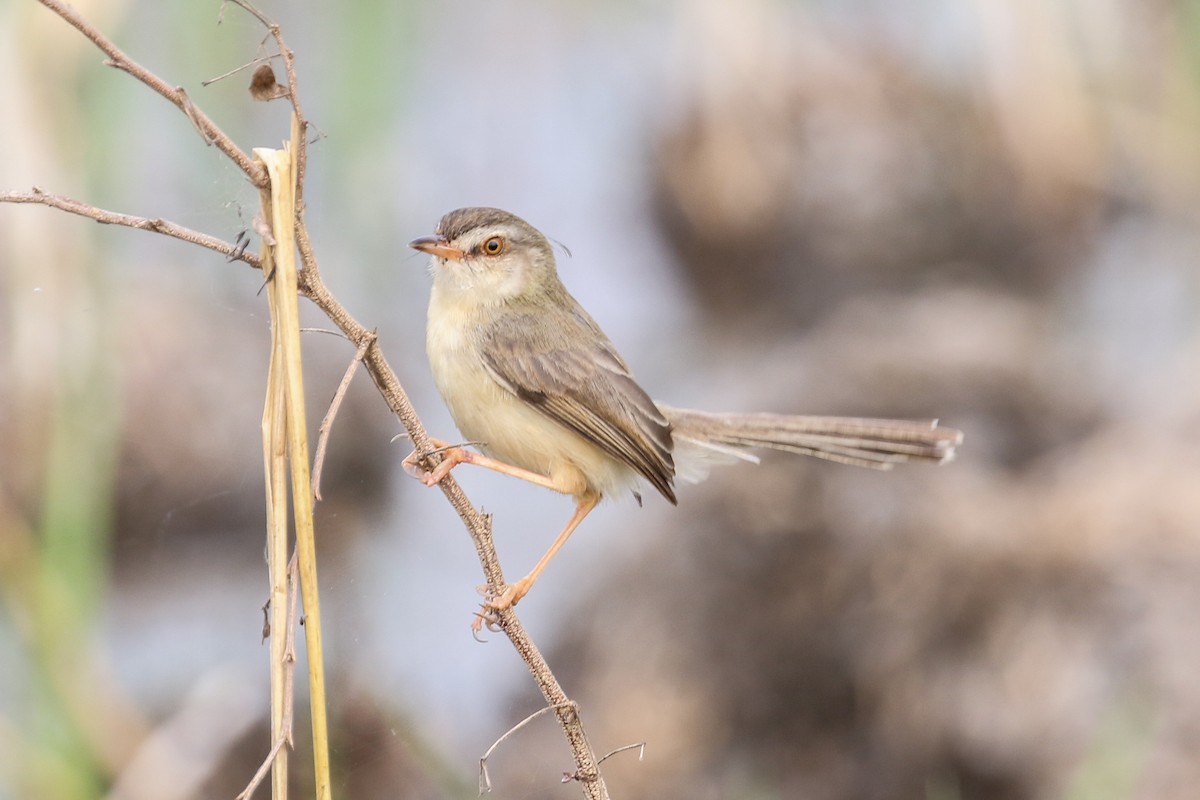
{"points": [[586, 388]]}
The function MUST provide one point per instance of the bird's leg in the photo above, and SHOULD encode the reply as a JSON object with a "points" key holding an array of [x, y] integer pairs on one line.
{"points": [[521, 588], [452, 456]]}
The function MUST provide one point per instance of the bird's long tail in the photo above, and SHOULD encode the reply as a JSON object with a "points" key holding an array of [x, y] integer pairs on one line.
{"points": [[875, 443]]}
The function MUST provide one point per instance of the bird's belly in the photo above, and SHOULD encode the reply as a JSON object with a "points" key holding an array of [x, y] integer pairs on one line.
{"points": [[508, 429]]}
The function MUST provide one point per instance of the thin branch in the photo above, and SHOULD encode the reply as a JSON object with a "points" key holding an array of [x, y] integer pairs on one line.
{"points": [[327, 422], [178, 97], [264, 768], [233, 252], [325, 331], [485, 780], [236, 70], [641, 747]]}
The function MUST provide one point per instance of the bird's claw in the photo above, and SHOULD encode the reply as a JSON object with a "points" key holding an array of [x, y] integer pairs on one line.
{"points": [[413, 468], [451, 457], [486, 616], [489, 613]]}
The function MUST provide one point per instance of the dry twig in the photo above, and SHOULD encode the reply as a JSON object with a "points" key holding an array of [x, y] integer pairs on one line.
{"points": [[233, 252], [236, 70], [485, 780], [331, 414], [641, 748]]}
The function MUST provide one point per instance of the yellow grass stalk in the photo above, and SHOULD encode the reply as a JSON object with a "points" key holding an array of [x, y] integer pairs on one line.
{"points": [[286, 377]]}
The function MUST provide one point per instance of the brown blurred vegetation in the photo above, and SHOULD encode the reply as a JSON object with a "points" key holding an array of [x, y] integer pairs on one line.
{"points": [[1019, 624]]}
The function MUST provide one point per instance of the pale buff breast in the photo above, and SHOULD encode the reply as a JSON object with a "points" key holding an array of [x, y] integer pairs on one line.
{"points": [[505, 427]]}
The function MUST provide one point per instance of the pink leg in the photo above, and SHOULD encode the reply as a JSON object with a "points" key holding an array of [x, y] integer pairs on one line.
{"points": [[453, 456], [516, 591]]}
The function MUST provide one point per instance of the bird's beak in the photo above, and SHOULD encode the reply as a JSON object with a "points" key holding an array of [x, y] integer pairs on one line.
{"points": [[437, 246]]}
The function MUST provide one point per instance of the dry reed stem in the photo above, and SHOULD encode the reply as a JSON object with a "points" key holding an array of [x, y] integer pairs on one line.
{"points": [[287, 659], [275, 463], [286, 327]]}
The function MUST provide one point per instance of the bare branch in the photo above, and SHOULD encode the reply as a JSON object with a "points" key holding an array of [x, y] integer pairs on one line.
{"points": [[178, 97], [36, 196], [327, 423]]}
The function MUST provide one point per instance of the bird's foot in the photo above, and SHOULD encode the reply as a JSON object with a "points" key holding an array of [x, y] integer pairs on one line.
{"points": [[489, 613], [452, 456]]}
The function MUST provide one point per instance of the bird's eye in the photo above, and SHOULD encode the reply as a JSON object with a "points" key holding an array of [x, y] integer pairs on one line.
{"points": [[494, 246]]}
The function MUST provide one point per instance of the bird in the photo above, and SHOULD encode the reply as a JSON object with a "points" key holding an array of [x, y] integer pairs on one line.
{"points": [[533, 382]]}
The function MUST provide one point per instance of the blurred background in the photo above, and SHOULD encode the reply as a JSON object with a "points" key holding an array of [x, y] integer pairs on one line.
{"points": [[984, 211]]}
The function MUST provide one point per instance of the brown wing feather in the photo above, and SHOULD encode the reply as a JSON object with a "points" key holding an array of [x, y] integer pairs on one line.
{"points": [[587, 389]]}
